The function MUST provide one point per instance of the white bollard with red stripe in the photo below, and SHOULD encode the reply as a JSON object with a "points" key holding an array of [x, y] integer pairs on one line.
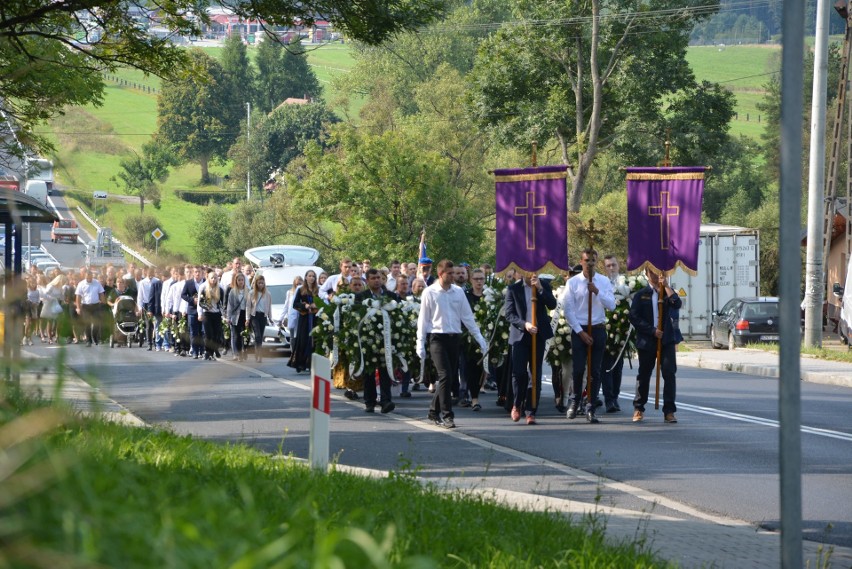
{"points": [[320, 411]]}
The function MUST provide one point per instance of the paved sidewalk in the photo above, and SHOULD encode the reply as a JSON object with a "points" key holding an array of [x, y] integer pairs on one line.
{"points": [[81, 396], [763, 363]]}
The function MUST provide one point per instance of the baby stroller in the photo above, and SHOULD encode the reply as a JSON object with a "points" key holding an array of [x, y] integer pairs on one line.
{"points": [[127, 325]]}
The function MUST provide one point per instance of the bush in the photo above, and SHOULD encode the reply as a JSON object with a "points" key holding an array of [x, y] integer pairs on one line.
{"points": [[204, 197], [139, 228]]}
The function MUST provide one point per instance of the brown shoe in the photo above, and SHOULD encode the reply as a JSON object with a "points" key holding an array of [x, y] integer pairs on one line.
{"points": [[516, 415], [531, 420], [670, 418], [638, 416]]}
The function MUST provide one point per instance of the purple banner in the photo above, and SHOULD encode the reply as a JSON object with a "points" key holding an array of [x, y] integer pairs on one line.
{"points": [[532, 219], [664, 218]]}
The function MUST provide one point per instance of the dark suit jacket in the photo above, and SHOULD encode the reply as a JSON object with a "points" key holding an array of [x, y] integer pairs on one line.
{"points": [[155, 305], [189, 291], [368, 294], [516, 311], [642, 318]]}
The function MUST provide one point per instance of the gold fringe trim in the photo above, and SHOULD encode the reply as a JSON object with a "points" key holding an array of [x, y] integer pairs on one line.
{"points": [[653, 268], [532, 177], [681, 176], [549, 268]]}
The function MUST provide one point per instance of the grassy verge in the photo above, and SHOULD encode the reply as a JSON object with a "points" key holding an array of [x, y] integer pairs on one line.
{"points": [[835, 355], [130, 497]]}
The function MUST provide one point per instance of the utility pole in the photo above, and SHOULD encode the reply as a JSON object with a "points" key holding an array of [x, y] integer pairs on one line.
{"points": [[816, 183], [248, 154]]}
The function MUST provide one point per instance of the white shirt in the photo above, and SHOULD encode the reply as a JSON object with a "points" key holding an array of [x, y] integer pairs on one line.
{"points": [[575, 303], [291, 313], [89, 292], [391, 284], [330, 285], [444, 312], [164, 294], [143, 294], [175, 303]]}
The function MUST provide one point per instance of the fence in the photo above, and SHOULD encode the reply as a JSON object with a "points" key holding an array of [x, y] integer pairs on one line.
{"points": [[131, 84]]}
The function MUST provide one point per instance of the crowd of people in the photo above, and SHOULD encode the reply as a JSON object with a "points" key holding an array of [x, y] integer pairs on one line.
{"points": [[207, 312]]}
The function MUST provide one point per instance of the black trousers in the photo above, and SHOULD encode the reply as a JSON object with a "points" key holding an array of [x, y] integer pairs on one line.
{"points": [[579, 352], [611, 380], [472, 371], [90, 314], [445, 349], [196, 336], [668, 369], [522, 373], [258, 325], [370, 387]]}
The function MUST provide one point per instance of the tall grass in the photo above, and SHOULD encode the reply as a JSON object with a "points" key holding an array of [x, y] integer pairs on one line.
{"points": [[134, 497]]}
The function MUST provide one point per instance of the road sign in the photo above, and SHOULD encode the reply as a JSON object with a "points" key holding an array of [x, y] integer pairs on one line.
{"points": [[100, 195], [157, 234]]}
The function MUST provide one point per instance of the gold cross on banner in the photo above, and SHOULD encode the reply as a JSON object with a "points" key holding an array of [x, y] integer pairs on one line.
{"points": [[665, 212], [530, 211]]}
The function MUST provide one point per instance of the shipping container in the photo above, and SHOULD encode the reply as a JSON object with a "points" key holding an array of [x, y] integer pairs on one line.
{"points": [[728, 267]]}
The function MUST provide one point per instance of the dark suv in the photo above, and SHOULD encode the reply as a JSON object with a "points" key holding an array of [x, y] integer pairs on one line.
{"points": [[745, 320]]}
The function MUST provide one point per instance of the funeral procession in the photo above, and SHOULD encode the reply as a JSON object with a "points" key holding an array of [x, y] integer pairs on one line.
{"points": [[426, 284]]}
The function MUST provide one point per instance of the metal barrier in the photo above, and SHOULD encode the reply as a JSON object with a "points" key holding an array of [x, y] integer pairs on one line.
{"points": [[124, 247]]}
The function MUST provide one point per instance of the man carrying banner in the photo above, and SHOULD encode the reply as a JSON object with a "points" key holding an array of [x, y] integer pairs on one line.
{"points": [[522, 328], [587, 298], [532, 238], [644, 315], [663, 226]]}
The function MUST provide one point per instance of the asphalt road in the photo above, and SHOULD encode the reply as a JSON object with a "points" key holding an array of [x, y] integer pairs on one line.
{"points": [[719, 462]]}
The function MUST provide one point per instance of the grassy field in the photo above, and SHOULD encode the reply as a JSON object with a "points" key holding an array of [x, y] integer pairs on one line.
{"points": [[88, 493], [744, 70]]}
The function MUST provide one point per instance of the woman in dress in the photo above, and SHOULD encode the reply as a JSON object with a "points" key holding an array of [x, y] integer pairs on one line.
{"points": [[211, 298], [258, 308], [51, 307], [31, 310], [304, 303], [236, 314], [290, 311]]}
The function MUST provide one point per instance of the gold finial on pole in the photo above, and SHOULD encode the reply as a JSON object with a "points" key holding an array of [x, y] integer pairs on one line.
{"points": [[667, 160]]}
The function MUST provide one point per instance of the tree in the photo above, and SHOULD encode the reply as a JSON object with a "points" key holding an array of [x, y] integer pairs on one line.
{"points": [[210, 233], [238, 69], [141, 175], [196, 115], [54, 54], [301, 81], [577, 81], [279, 138], [370, 195], [283, 72], [390, 73]]}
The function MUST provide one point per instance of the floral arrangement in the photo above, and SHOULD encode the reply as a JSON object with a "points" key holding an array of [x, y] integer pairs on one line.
{"points": [[368, 335], [618, 320], [558, 351], [405, 334], [488, 314]]}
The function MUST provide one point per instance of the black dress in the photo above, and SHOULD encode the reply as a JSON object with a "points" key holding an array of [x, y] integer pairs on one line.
{"points": [[303, 345]]}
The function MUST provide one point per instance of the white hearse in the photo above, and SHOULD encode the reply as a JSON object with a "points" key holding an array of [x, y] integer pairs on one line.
{"points": [[279, 265]]}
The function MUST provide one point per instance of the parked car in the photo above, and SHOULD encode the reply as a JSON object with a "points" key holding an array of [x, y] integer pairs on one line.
{"points": [[745, 320]]}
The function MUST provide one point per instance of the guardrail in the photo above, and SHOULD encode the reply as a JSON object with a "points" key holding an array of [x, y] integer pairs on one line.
{"points": [[124, 247]]}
